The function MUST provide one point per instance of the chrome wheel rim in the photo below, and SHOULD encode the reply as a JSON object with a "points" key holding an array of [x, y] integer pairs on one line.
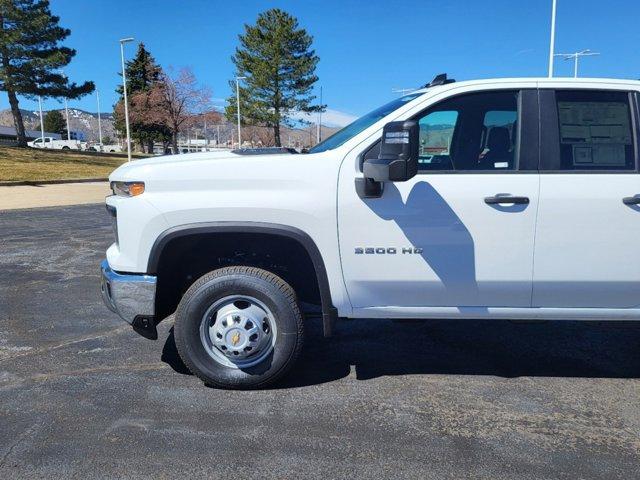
{"points": [[238, 331]]}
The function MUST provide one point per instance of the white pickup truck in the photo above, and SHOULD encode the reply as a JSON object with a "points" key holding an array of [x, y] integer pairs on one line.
{"points": [[55, 144], [106, 148], [491, 199]]}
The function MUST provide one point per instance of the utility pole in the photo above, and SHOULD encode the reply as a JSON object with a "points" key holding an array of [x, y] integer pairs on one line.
{"points": [[41, 121], [238, 107], [553, 37], [124, 89], [99, 120], [576, 56]]}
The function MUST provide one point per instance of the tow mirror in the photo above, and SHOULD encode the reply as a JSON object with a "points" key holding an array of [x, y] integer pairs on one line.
{"points": [[398, 158]]}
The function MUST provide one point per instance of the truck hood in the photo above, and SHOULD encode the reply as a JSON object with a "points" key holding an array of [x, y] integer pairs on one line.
{"points": [[135, 165], [207, 170]]}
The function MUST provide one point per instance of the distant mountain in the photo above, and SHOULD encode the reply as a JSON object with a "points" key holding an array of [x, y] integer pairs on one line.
{"points": [[79, 121], [87, 123]]}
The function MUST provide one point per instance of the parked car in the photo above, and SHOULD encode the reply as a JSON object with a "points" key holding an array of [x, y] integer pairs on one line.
{"points": [[55, 144], [524, 204]]}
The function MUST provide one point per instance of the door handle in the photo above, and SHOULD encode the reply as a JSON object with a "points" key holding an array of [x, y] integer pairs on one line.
{"points": [[499, 199], [631, 200]]}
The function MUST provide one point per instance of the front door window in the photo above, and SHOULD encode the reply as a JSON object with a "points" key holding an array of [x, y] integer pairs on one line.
{"points": [[475, 132]]}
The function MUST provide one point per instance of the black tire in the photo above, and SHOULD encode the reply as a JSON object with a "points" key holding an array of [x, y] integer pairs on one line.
{"points": [[65, 148], [260, 284]]}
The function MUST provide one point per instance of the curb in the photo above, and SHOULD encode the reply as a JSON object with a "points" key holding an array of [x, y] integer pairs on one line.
{"points": [[35, 183]]}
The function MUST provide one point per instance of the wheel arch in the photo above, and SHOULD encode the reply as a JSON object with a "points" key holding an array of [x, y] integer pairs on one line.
{"points": [[329, 312]]}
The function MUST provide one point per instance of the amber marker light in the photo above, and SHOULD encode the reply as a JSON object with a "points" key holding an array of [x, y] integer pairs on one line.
{"points": [[127, 189]]}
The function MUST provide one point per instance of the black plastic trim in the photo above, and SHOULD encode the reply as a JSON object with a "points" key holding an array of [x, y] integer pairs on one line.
{"points": [[549, 133], [528, 131], [329, 312], [368, 188], [440, 79], [635, 120], [145, 326], [264, 151], [111, 210]]}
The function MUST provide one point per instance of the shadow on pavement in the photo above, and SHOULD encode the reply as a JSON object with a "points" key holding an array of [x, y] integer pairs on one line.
{"points": [[500, 348]]}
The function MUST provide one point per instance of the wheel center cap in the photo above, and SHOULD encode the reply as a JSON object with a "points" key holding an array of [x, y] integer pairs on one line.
{"points": [[235, 338]]}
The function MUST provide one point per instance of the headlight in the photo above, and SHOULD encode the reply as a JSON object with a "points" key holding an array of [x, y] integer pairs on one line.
{"points": [[127, 189]]}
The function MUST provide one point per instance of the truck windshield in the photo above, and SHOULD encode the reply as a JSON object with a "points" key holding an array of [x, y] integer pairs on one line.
{"points": [[351, 130]]}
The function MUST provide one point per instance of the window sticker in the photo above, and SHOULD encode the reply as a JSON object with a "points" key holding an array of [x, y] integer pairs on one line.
{"points": [[596, 133], [594, 122], [610, 155], [582, 155]]}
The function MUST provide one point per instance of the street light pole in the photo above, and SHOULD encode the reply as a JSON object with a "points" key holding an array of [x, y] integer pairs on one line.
{"points": [[41, 121], [402, 91], [553, 37], [238, 107], [124, 89], [66, 109], [99, 120], [576, 56]]}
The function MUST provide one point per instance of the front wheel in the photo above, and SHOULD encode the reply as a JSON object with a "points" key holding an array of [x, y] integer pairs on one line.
{"points": [[239, 327]]}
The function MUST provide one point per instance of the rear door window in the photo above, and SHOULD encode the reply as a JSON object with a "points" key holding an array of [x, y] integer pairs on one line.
{"points": [[595, 130]]}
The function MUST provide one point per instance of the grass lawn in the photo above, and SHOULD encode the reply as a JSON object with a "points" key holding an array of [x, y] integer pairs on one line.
{"points": [[31, 164]]}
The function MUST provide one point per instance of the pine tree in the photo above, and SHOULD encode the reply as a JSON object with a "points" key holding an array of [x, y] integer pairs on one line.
{"points": [[54, 122], [276, 57], [142, 72], [143, 75], [31, 56]]}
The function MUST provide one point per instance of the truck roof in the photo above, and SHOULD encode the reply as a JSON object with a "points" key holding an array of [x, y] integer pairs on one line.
{"points": [[544, 81]]}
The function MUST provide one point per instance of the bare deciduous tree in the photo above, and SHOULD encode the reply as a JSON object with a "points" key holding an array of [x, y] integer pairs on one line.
{"points": [[260, 136], [182, 98], [174, 102]]}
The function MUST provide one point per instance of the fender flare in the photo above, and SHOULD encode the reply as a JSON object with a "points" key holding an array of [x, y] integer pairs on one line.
{"points": [[329, 312]]}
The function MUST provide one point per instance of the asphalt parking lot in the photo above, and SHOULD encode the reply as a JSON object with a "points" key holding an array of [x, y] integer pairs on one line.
{"points": [[83, 396]]}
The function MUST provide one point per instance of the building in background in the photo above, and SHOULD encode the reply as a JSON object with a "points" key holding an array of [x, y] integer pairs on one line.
{"points": [[8, 136]]}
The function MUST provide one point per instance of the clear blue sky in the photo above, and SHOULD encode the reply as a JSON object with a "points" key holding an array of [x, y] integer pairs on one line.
{"points": [[366, 48]]}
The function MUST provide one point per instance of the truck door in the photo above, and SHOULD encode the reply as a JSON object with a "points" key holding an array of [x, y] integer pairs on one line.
{"points": [[586, 253], [460, 233]]}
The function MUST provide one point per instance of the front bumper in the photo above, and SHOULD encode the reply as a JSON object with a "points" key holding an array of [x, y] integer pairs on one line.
{"points": [[132, 296]]}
